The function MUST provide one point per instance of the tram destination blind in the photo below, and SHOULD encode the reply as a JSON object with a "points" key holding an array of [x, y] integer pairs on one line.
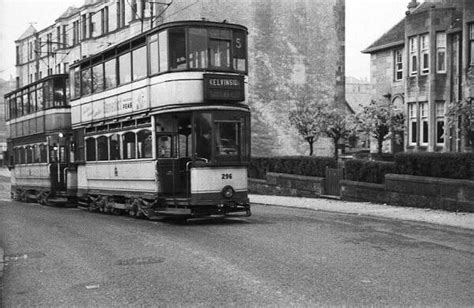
{"points": [[223, 88]]}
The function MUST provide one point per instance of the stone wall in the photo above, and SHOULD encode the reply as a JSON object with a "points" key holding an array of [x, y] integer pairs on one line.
{"points": [[288, 185], [414, 191]]}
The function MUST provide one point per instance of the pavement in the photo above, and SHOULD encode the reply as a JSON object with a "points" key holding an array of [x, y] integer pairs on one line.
{"points": [[445, 218]]}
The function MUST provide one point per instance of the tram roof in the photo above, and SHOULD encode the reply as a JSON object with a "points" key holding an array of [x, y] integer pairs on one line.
{"points": [[173, 24]]}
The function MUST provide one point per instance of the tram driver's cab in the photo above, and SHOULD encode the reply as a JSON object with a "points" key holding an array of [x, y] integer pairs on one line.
{"points": [[210, 144]]}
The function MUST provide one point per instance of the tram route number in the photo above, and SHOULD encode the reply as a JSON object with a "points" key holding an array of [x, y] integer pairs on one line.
{"points": [[226, 176]]}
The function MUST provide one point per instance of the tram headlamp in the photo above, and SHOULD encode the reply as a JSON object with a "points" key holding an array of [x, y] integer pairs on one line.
{"points": [[228, 192]]}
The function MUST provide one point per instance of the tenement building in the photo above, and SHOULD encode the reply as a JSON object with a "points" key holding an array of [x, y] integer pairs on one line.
{"points": [[425, 65]]}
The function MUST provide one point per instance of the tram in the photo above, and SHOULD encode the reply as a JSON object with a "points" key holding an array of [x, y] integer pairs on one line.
{"points": [[161, 124], [38, 119]]}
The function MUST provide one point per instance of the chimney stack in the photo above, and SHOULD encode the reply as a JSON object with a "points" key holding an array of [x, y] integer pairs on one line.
{"points": [[412, 6]]}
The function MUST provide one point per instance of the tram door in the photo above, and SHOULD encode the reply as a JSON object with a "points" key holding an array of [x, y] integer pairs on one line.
{"points": [[174, 148], [58, 164]]}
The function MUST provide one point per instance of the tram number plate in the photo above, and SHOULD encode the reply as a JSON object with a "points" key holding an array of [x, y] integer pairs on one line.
{"points": [[226, 176]]}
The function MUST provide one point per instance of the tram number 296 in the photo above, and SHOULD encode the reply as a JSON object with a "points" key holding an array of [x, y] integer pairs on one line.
{"points": [[226, 176]]}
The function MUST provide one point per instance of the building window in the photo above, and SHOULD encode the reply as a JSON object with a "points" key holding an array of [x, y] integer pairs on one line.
{"points": [[64, 36], [440, 123], [84, 26], [424, 129], [441, 52], [425, 53], [412, 125], [413, 50], [17, 55], [104, 20], [471, 43], [398, 69]]}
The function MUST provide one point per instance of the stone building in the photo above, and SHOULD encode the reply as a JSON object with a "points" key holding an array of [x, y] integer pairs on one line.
{"points": [[290, 42], [424, 63]]}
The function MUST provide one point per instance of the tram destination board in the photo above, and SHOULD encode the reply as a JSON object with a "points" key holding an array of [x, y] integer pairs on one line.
{"points": [[223, 88]]}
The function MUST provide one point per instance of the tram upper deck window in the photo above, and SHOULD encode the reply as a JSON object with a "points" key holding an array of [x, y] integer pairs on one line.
{"points": [[163, 50], [177, 43], [139, 63], [110, 73], [26, 103], [19, 105], [39, 97], [48, 94], [125, 69], [219, 48], [197, 49], [75, 78], [86, 81], [58, 94], [32, 99], [98, 78]]}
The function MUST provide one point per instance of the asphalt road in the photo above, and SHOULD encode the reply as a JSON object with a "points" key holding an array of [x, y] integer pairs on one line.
{"points": [[279, 256]]}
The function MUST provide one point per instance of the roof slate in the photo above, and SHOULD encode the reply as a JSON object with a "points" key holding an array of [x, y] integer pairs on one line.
{"points": [[393, 37]]}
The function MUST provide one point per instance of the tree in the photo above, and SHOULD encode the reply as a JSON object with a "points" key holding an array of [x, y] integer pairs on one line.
{"points": [[305, 118], [462, 113], [337, 125], [380, 120]]}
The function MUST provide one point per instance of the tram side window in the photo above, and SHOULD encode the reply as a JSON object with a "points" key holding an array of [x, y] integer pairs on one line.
{"points": [[144, 143], [125, 69], [197, 49], [102, 148], [177, 48], [115, 147], [111, 73], [22, 155], [90, 149], [29, 154], [139, 63], [86, 81], [37, 153], [129, 149], [43, 154], [98, 78]]}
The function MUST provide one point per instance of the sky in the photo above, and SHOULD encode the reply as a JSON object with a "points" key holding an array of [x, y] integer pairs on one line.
{"points": [[366, 21]]}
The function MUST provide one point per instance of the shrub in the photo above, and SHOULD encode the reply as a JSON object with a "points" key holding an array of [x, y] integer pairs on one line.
{"points": [[368, 171], [301, 165], [443, 165]]}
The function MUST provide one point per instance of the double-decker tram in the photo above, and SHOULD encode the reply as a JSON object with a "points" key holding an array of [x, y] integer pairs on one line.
{"points": [[161, 123], [38, 118]]}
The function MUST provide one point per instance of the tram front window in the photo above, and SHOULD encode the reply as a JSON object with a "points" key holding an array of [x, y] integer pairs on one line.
{"points": [[227, 138], [203, 136]]}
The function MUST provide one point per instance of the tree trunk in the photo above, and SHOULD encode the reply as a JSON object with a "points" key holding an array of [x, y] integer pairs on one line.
{"points": [[336, 152], [379, 145]]}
